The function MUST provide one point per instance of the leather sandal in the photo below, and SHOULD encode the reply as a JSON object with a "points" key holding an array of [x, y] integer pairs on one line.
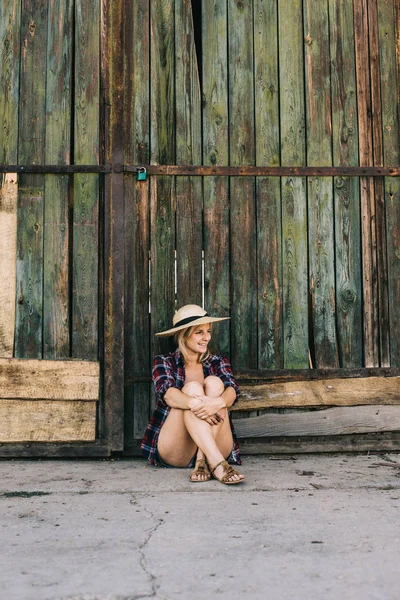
{"points": [[228, 472], [200, 470]]}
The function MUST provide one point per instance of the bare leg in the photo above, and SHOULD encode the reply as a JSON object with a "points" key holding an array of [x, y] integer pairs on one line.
{"points": [[175, 445]]}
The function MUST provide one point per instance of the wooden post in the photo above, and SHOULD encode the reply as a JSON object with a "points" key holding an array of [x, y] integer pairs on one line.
{"points": [[137, 215], [114, 273]]}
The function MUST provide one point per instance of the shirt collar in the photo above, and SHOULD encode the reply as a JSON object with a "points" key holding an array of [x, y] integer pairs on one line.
{"points": [[179, 359]]}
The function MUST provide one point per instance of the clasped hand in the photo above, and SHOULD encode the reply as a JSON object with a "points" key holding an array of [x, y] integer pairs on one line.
{"points": [[207, 408]]}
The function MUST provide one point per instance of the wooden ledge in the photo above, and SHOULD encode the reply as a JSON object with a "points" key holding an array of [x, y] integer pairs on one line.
{"points": [[324, 392]]}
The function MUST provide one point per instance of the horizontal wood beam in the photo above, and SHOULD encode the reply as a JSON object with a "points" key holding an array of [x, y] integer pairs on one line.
{"points": [[204, 171], [330, 421], [364, 442], [49, 379], [81, 449], [276, 375], [47, 421], [328, 392]]}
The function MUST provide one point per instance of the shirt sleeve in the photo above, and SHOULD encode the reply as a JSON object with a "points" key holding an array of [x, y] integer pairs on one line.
{"points": [[224, 370], [162, 376]]}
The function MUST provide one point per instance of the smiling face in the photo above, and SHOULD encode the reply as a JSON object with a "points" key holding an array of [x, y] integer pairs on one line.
{"points": [[199, 339], [193, 341]]}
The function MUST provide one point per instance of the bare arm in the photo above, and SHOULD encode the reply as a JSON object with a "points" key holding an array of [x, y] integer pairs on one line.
{"points": [[177, 399]]}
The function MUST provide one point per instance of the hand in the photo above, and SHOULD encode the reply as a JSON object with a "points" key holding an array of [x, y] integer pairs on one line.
{"points": [[209, 408]]}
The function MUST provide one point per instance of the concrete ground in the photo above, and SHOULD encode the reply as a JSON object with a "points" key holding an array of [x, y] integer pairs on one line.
{"points": [[302, 527]]}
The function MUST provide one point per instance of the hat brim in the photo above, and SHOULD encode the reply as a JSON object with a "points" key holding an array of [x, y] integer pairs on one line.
{"points": [[200, 321]]}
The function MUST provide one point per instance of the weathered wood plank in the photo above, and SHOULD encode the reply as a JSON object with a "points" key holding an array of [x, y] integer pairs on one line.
{"points": [[56, 339], [320, 192], [368, 237], [48, 379], [323, 392], [391, 155], [136, 148], [8, 261], [189, 200], [364, 442], [330, 421], [10, 14], [112, 72], [162, 189], [81, 449], [216, 152], [242, 201], [29, 322], [269, 225], [346, 190], [294, 205], [47, 421], [86, 187], [381, 246]]}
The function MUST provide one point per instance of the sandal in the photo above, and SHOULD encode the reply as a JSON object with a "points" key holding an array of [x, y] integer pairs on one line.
{"points": [[201, 470], [228, 472]]}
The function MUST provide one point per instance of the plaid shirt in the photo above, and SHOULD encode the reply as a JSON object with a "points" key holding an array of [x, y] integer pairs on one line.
{"points": [[169, 371]]}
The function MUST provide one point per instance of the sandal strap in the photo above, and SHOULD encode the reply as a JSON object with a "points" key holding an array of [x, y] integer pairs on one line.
{"points": [[223, 463], [201, 465]]}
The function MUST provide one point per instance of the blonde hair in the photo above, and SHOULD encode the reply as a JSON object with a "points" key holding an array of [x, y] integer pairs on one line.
{"points": [[181, 338]]}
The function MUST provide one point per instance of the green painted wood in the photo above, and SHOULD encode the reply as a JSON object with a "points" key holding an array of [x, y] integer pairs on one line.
{"points": [[391, 155], [10, 13], [189, 200], [320, 190], [242, 191], [86, 187], [294, 205], [380, 226], [367, 192], [346, 190], [31, 143], [56, 339], [268, 189], [216, 152], [162, 189], [137, 131]]}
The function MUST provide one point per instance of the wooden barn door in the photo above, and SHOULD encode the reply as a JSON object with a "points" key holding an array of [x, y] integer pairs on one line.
{"points": [[50, 301], [264, 125]]}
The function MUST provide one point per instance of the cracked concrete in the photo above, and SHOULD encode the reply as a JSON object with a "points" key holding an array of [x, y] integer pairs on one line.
{"points": [[301, 527]]}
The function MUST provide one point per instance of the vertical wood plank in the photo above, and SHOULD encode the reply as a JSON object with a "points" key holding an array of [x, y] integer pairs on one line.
{"points": [[320, 192], [294, 205], [136, 146], [86, 186], [346, 190], [216, 152], [112, 73], [10, 13], [162, 189], [189, 234], [8, 261], [269, 225], [56, 339], [242, 218], [381, 245], [9, 89], [389, 48], [368, 237], [28, 334]]}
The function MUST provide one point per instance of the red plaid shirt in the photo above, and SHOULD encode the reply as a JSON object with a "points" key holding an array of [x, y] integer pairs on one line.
{"points": [[169, 371]]}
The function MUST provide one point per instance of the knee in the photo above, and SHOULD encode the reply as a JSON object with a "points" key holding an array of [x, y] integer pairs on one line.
{"points": [[213, 386], [193, 388]]}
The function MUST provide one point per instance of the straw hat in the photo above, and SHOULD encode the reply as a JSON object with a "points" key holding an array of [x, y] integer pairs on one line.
{"points": [[187, 316]]}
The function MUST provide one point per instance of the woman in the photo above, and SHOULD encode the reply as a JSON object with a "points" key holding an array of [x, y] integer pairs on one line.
{"points": [[191, 426]]}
